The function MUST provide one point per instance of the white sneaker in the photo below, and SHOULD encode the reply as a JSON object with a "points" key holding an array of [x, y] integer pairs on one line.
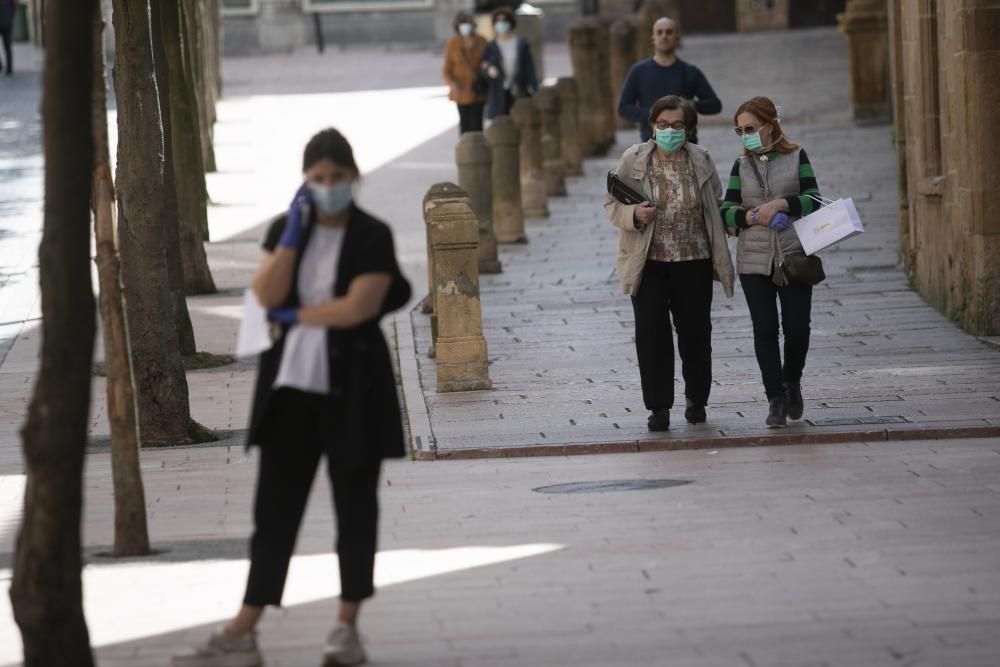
{"points": [[343, 647], [221, 650]]}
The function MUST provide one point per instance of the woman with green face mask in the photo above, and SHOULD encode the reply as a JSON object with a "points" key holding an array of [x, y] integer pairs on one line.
{"points": [[669, 248], [771, 185]]}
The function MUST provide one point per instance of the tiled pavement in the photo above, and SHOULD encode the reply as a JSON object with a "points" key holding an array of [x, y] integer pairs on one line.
{"points": [[882, 363]]}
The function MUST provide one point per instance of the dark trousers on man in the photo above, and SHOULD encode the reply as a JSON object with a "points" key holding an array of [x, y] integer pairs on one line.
{"points": [[288, 464], [8, 51], [682, 291], [470, 117], [763, 297]]}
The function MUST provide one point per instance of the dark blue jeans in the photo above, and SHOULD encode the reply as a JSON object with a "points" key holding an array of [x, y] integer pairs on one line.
{"points": [[763, 297]]}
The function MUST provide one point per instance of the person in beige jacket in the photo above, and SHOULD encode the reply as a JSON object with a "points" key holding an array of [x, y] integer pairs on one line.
{"points": [[669, 249]]}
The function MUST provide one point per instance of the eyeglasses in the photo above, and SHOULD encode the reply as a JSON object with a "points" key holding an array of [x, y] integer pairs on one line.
{"points": [[748, 129], [676, 125]]}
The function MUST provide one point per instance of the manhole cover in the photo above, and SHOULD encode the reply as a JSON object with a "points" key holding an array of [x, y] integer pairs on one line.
{"points": [[857, 421], [612, 485]]}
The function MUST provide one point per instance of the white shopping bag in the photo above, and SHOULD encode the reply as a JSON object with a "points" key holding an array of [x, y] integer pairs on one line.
{"points": [[834, 222], [255, 332]]}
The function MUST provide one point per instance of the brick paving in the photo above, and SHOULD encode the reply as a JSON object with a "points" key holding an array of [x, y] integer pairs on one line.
{"points": [[882, 363]]}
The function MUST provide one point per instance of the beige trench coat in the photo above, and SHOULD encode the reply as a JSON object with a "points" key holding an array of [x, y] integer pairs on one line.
{"points": [[633, 244]]}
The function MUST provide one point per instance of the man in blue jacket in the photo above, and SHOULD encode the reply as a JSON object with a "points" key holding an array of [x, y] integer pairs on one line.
{"points": [[664, 74]]}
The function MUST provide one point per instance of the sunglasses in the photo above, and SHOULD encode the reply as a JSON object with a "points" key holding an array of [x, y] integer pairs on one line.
{"points": [[748, 129]]}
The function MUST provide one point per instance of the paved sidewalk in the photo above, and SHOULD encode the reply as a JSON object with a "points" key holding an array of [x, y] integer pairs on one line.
{"points": [[883, 365]]}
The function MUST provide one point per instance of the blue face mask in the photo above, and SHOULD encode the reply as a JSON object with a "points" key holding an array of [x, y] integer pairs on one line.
{"points": [[752, 143], [502, 27], [332, 199], [670, 139], [465, 29]]}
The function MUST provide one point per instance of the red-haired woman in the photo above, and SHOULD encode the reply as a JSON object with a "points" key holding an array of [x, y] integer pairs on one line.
{"points": [[771, 185]]}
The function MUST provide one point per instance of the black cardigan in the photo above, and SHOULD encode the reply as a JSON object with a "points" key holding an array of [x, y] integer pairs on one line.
{"points": [[363, 422]]}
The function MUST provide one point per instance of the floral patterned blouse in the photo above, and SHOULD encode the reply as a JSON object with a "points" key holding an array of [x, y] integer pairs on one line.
{"points": [[680, 234]]}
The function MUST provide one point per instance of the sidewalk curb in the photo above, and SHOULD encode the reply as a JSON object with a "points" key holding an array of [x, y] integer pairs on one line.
{"points": [[721, 442], [421, 437]]}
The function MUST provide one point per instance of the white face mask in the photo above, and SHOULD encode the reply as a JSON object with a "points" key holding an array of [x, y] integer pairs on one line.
{"points": [[466, 29], [502, 27], [332, 199]]}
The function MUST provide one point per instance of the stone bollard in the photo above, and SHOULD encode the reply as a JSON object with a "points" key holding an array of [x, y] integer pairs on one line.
{"points": [[864, 24], [622, 54], [534, 198], [547, 101], [569, 126], [508, 213], [475, 176], [588, 46], [460, 347], [438, 194]]}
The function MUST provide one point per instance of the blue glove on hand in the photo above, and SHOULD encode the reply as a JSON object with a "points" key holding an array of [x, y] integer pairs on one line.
{"points": [[780, 222], [283, 315], [292, 234]]}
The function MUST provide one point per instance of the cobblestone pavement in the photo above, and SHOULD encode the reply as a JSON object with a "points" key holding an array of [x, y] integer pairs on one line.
{"points": [[882, 363]]}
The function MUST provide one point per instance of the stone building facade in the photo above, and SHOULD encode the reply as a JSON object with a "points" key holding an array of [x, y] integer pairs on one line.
{"points": [[945, 70]]}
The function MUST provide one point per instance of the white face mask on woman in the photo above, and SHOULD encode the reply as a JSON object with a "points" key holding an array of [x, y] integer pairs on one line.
{"points": [[466, 29], [332, 199]]}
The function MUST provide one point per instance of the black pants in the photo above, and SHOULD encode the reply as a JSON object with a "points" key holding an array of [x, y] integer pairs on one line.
{"points": [[796, 303], [470, 117], [683, 291], [5, 35], [288, 465]]}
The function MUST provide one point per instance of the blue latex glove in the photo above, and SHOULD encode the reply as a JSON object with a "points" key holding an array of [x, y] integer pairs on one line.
{"points": [[780, 222], [283, 315], [292, 234]]}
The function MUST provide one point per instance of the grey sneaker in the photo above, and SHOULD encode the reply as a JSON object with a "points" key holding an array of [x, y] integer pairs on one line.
{"points": [[221, 650], [343, 647]]}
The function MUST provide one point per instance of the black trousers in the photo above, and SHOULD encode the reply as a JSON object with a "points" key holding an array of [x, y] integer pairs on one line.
{"points": [[763, 297], [288, 466], [5, 35], [470, 117], [682, 291]]}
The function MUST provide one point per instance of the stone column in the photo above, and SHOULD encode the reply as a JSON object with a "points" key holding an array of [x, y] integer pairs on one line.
{"points": [[534, 198], [475, 176], [588, 45], [508, 214], [547, 101], [622, 43], [460, 345], [865, 25], [569, 125], [438, 193]]}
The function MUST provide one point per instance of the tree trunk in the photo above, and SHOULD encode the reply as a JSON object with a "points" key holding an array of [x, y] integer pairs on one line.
{"points": [[193, 13], [189, 172], [171, 226], [160, 383], [46, 590], [131, 532]]}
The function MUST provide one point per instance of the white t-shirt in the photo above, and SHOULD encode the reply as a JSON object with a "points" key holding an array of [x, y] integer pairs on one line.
{"points": [[508, 50], [304, 363]]}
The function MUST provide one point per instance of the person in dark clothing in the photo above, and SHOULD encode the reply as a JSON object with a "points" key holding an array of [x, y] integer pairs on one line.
{"points": [[509, 65], [8, 9], [664, 74], [324, 388]]}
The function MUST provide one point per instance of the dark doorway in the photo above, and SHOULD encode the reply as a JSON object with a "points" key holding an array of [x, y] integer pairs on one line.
{"points": [[708, 16], [815, 13]]}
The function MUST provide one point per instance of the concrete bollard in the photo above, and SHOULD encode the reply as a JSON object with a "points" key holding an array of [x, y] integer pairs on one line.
{"points": [[588, 45], [438, 194], [569, 125], [547, 101], [534, 198], [460, 346], [508, 214], [623, 33], [475, 176]]}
